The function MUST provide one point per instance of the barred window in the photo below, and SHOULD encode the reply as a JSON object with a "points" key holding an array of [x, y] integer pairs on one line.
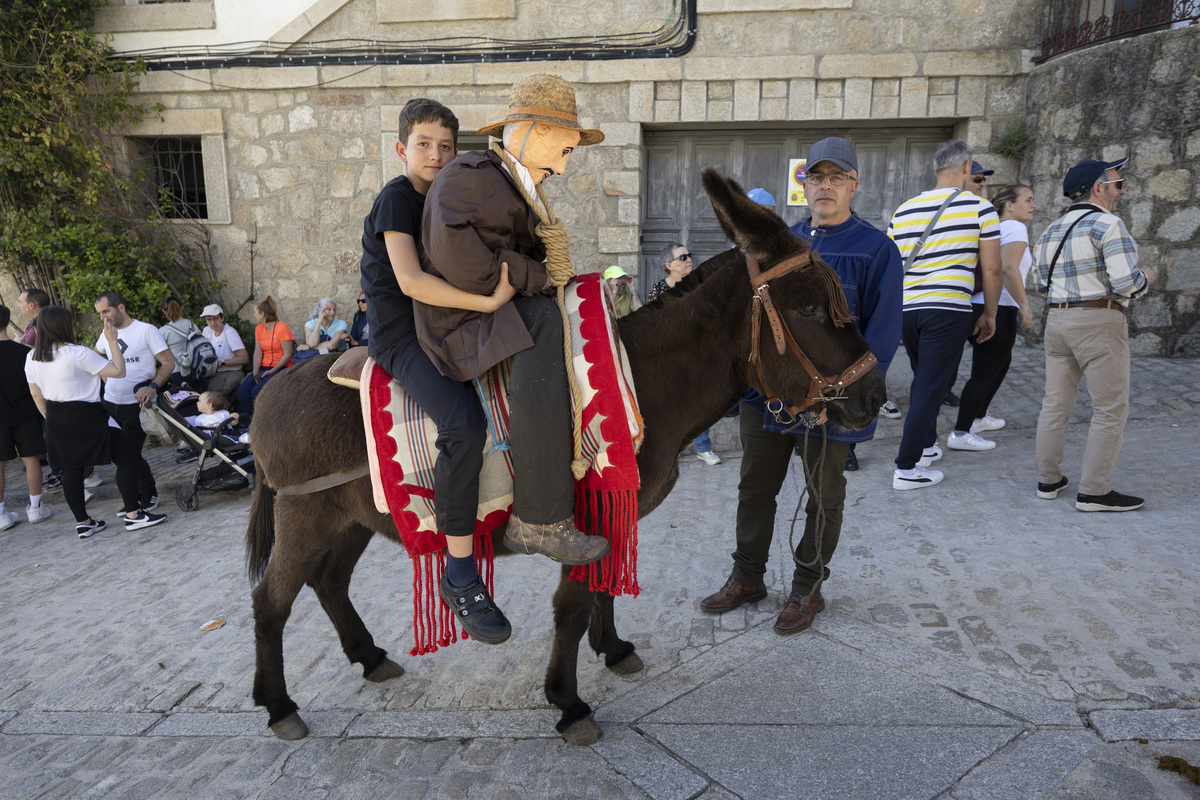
{"points": [[175, 166]]}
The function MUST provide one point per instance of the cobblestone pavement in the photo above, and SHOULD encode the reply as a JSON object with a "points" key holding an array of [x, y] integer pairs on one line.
{"points": [[979, 643]]}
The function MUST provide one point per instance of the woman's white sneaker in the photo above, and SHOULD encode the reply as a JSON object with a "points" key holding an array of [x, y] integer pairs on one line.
{"points": [[968, 441], [987, 423], [916, 478]]}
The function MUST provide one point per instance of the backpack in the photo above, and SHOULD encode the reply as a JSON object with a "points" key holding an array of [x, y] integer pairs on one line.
{"points": [[199, 360]]}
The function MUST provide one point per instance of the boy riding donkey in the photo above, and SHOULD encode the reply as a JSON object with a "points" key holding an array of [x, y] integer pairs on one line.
{"points": [[476, 222]]}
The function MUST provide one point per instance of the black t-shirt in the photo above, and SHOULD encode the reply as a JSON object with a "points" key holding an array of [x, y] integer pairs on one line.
{"points": [[389, 311], [16, 403]]}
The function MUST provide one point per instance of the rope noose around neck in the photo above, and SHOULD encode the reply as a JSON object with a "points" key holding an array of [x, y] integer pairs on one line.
{"points": [[558, 264]]}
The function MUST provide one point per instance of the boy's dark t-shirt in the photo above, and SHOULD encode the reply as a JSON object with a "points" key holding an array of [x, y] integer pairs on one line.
{"points": [[389, 311], [16, 403]]}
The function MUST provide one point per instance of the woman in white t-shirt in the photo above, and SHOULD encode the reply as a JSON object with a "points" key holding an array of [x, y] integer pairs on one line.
{"points": [[64, 379], [991, 359]]}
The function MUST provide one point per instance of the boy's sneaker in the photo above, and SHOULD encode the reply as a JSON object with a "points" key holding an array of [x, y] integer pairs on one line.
{"points": [[916, 478], [8, 519], [968, 441], [1049, 491], [86, 529], [38, 514], [52, 484], [710, 458], [153, 504], [987, 423], [929, 455], [889, 410], [476, 611], [144, 519], [1113, 501]]}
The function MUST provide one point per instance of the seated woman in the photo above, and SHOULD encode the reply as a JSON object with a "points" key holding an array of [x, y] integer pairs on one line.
{"points": [[274, 346], [64, 379], [325, 330], [175, 333]]}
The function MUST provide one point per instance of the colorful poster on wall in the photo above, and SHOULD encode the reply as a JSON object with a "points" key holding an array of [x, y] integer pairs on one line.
{"points": [[796, 182]]}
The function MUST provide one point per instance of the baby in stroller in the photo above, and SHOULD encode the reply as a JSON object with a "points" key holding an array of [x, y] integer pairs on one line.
{"points": [[221, 445], [214, 410]]}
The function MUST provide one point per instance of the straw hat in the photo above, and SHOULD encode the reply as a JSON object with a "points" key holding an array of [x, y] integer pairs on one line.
{"points": [[543, 98]]}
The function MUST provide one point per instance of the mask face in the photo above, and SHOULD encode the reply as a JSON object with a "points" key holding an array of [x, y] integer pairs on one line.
{"points": [[544, 150]]}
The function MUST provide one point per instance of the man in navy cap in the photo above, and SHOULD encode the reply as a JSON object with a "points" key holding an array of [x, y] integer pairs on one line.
{"points": [[979, 178], [868, 264], [1087, 265]]}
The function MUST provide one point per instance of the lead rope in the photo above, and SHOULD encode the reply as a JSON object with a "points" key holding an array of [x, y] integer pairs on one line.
{"points": [[558, 264], [812, 486]]}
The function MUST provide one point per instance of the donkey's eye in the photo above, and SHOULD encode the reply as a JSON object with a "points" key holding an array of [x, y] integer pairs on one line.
{"points": [[808, 310]]}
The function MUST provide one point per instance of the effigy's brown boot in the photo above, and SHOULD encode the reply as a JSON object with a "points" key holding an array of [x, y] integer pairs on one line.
{"points": [[561, 541]]}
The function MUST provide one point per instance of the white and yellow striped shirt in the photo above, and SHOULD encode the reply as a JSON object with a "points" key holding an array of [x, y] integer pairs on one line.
{"points": [[943, 274]]}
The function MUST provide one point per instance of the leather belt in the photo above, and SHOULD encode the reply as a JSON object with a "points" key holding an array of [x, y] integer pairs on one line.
{"points": [[1113, 304]]}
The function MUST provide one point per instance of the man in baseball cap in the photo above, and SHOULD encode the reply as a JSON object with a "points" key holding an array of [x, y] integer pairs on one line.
{"points": [[625, 297], [1087, 266]]}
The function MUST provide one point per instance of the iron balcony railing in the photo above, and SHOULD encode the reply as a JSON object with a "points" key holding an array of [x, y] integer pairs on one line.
{"points": [[1071, 24]]}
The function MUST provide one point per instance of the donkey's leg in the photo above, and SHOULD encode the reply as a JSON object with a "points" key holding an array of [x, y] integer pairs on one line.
{"points": [[572, 605], [298, 550], [332, 585], [619, 655]]}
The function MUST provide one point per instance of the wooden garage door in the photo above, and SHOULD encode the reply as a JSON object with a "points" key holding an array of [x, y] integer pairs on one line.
{"points": [[893, 166]]}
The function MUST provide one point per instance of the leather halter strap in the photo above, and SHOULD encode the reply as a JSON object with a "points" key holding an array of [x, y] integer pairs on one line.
{"points": [[821, 389]]}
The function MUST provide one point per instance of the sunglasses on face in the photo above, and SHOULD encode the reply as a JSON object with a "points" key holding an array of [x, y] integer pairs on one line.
{"points": [[1120, 182], [684, 257], [980, 179], [362, 301]]}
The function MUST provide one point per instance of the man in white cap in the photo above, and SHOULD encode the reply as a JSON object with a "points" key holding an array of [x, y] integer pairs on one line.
{"points": [[478, 218], [1087, 266], [231, 352]]}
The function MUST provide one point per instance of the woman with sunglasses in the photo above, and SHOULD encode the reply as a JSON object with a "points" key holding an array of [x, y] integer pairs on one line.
{"points": [[677, 261], [360, 329], [991, 359]]}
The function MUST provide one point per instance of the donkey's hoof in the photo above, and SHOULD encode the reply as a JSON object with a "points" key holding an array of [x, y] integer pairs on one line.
{"points": [[385, 671], [290, 728], [628, 665], [582, 732]]}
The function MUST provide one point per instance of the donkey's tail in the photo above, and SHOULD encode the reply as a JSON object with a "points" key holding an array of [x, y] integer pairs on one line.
{"points": [[260, 532]]}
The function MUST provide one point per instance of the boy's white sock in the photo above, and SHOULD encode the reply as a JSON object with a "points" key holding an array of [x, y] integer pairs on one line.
{"points": [[35, 501]]}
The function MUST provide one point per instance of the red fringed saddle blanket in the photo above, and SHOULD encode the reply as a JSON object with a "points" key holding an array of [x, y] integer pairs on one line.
{"points": [[403, 454]]}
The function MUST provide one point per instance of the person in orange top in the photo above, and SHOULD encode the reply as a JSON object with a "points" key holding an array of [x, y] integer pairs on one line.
{"points": [[274, 346]]}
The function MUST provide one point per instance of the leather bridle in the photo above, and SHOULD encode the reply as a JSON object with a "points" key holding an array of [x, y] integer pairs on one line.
{"points": [[821, 389]]}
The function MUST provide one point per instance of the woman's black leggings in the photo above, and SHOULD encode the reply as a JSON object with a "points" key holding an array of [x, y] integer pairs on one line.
{"points": [[127, 481], [989, 365]]}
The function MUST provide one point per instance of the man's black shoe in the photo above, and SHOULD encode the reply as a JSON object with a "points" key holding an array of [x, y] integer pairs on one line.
{"points": [[474, 608], [951, 399], [1049, 491], [191, 454], [1113, 501], [851, 462]]}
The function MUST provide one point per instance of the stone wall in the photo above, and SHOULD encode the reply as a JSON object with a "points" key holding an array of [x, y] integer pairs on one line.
{"points": [[307, 148], [1137, 97]]}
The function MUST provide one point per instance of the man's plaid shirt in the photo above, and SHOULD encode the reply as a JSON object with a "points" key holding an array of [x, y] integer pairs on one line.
{"points": [[1098, 262]]}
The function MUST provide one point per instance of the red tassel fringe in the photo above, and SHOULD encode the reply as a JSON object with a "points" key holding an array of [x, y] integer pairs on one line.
{"points": [[612, 514]]}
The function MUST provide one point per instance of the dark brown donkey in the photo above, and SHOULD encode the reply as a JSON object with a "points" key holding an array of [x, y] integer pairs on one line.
{"points": [[689, 353]]}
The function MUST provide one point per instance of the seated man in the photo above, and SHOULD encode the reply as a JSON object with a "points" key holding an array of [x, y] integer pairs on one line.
{"points": [[476, 221]]}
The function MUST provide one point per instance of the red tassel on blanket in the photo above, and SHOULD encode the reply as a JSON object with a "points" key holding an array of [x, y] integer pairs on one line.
{"points": [[433, 621], [612, 514]]}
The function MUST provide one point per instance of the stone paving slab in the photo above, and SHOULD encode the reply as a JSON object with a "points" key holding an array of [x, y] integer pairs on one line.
{"points": [[1028, 767], [1128, 771], [1156, 724], [324, 724], [81, 723], [832, 762], [654, 770], [527, 724]]}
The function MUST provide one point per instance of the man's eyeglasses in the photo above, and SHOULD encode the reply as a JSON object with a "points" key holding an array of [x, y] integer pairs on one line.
{"points": [[1120, 182], [980, 179], [362, 301], [684, 257], [834, 178]]}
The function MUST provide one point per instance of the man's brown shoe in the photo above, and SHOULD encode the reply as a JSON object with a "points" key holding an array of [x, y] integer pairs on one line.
{"points": [[732, 595], [561, 541], [798, 613]]}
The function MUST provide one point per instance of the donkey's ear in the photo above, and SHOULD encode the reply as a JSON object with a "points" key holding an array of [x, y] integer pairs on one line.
{"points": [[752, 227]]}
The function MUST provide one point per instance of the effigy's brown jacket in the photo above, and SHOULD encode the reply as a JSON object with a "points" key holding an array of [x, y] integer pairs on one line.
{"points": [[475, 218]]}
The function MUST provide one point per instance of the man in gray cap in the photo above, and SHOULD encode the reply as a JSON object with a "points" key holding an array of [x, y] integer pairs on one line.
{"points": [[868, 264], [1087, 265]]}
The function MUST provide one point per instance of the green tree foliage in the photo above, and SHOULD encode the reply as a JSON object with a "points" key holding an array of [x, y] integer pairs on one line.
{"points": [[75, 219]]}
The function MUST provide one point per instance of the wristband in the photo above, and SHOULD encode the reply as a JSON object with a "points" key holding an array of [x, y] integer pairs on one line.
{"points": [[154, 386]]}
